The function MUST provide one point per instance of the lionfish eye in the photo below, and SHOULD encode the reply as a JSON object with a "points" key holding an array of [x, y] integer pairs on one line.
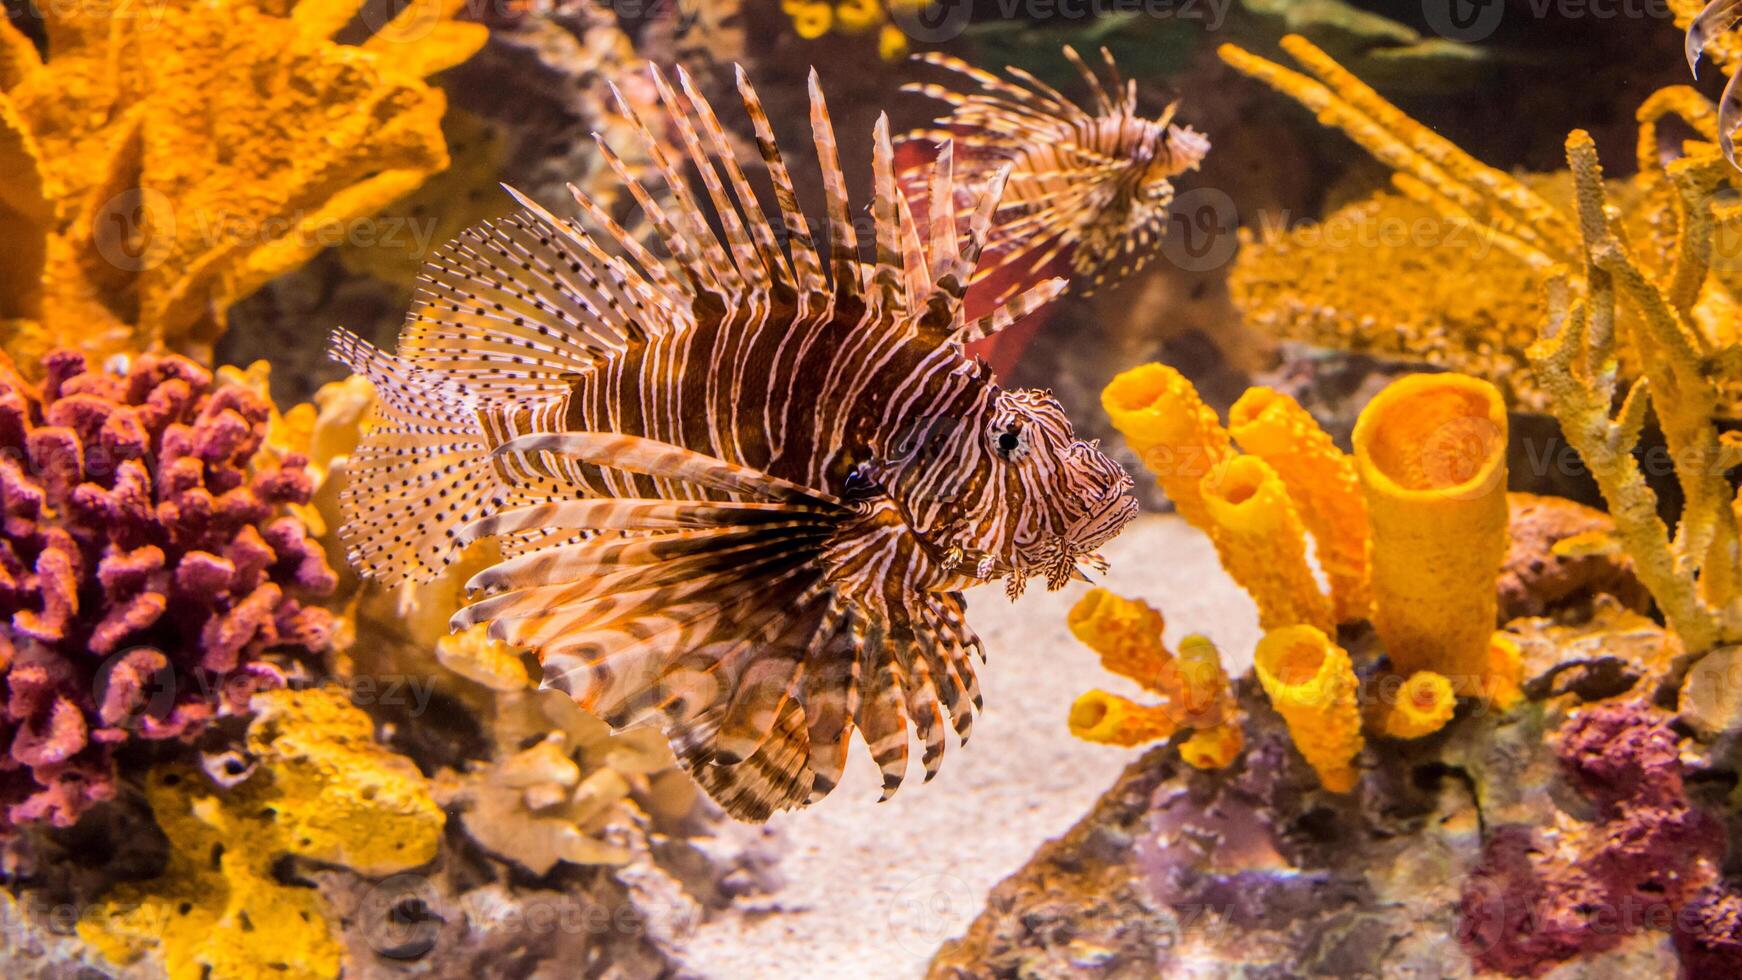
{"points": [[1008, 441]]}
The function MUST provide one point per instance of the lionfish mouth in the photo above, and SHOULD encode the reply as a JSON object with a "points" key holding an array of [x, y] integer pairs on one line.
{"points": [[1117, 509]]}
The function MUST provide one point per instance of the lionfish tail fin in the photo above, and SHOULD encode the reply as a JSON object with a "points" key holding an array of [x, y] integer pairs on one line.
{"points": [[421, 472]]}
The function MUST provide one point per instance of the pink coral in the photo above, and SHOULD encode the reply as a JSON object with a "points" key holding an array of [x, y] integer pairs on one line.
{"points": [[146, 564], [1641, 862]]}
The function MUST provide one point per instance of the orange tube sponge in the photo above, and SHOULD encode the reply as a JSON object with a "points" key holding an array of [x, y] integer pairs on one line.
{"points": [[1311, 684], [1171, 430], [1112, 720], [1213, 748], [1262, 544], [1431, 453], [1505, 672], [1321, 481], [1424, 704], [1125, 632]]}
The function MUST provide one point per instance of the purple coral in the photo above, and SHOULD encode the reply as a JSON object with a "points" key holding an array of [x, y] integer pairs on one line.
{"points": [[1641, 863], [146, 563]]}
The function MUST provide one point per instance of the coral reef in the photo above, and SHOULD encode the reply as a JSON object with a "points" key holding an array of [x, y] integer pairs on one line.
{"points": [[1464, 259], [148, 195], [1695, 575], [1414, 524], [151, 569], [1430, 450], [1570, 833], [1193, 685], [1649, 851], [323, 791]]}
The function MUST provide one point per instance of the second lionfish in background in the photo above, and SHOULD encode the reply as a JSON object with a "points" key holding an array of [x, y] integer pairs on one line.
{"points": [[1089, 187]]}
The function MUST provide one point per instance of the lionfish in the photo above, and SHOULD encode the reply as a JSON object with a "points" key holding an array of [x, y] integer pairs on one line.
{"points": [[739, 490], [1092, 184], [1718, 17]]}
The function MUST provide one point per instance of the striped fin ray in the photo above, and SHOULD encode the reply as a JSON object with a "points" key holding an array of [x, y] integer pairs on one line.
{"points": [[774, 261], [1012, 311], [843, 241], [802, 249]]}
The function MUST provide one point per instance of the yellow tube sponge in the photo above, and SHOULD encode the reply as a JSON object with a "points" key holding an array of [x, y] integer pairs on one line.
{"points": [[1424, 703], [1194, 686], [1113, 720], [1213, 748], [1311, 684], [1125, 632], [1171, 430], [1431, 453], [1321, 481], [1505, 672], [1262, 543]]}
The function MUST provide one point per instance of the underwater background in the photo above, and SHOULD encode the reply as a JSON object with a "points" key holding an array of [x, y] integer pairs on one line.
{"points": [[1416, 326]]}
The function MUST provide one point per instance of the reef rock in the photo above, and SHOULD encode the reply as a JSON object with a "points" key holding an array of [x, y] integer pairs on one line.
{"points": [[1567, 837]]}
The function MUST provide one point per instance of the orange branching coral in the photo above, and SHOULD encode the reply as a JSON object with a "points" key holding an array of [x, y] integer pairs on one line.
{"points": [[1695, 574], [1321, 481], [1311, 684], [1431, 453], [1262, 543], [1172, 431], [1127, 635], [1422, 705], [143, 196]]}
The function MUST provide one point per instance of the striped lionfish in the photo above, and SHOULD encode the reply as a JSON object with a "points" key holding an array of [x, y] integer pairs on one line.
{"points": [[741, 490], [1718, 17], [1092, 186]]}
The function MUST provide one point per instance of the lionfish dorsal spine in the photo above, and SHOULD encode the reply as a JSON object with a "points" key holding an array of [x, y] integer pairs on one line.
{"points": [[807, 268]]}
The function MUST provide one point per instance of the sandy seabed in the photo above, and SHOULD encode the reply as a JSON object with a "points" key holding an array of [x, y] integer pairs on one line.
{"points": [[872, 889]]}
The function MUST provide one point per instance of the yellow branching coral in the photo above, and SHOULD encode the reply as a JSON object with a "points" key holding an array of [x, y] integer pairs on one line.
{"points": [[1422, 705], [1127, 635], [1694, 575], [1262, 543], [324, 790], [143, 194], [1458, 273], [1311, 684], [1322, 483], [1431, 453], [1171, 430]]}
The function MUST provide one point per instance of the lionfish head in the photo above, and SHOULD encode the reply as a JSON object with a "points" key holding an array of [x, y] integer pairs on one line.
{"points": [[1037, 500]]}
